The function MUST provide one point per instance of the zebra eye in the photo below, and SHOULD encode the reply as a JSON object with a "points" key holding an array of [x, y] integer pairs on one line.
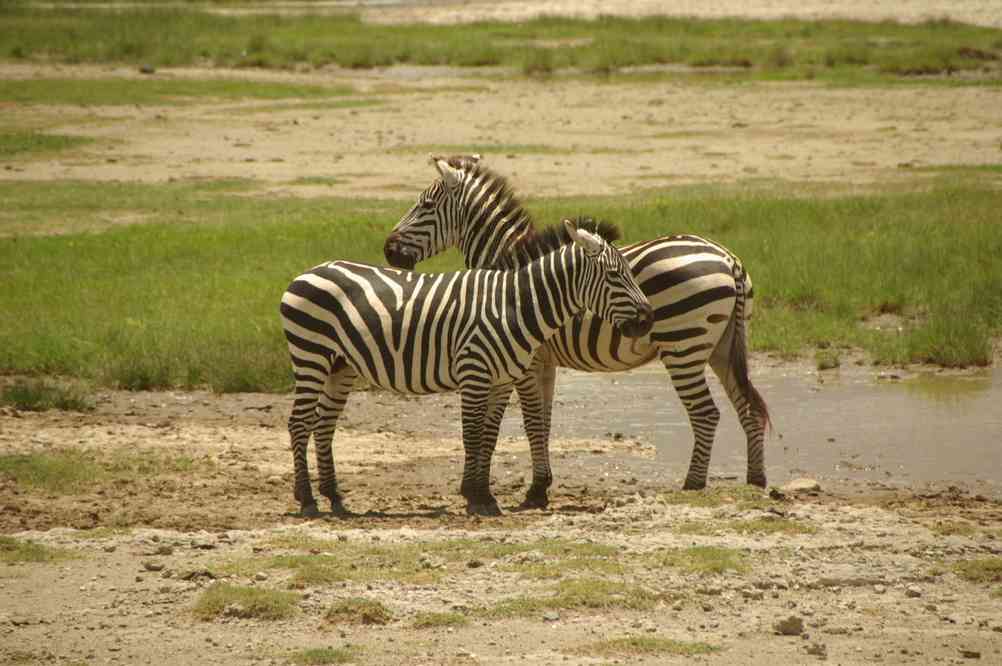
{"points": [[428, 203]]}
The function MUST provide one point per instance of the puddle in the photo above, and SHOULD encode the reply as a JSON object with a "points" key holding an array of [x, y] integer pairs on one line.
{"points": [[845, 424]]}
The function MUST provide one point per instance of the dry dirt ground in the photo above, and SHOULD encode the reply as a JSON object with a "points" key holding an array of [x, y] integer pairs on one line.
{"points": [[868, 570]]}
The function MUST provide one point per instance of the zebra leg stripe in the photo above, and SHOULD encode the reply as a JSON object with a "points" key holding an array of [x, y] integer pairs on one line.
{"points": [[703, 414], [497, 402], [533, 389], [337, 388], [301, 424], [474, 398]]}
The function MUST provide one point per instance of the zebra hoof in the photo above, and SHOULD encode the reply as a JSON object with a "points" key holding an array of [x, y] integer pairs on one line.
{"points": [[757, 481], [338, 510], [694, 485], [309, 511], [486, 509], [530, 503]]}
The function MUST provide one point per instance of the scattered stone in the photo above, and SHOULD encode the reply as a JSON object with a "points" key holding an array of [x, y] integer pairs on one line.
{"points": [[109, 548], [164, 550], [474, 564], [260, 576], [147, 69], [802, 486], [551, 616], [913, 591], [753, 595], [153, 566], [818, 650], [791, 626], [880, 589], [195, 574], [970, 654]]}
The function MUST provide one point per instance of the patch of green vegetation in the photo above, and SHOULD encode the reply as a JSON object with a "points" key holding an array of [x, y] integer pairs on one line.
{"points": [[997, 593], [755, 526], [70, 471], [774, 49], [328, 561], [827, 359], [324, 656], [21, 144], [578, 594], [703, 560], [126, 293], [152, 91], [644, 646], [358, 610], [101, 533], [19, 551], [316, 180], [984, 570], [744, 496], [225, 600], [431, 620], [326, 105], [40, 395]]}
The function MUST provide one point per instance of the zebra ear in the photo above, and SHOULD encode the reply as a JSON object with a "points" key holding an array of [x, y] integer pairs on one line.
{"points": [[450, 176], [592, 245]]}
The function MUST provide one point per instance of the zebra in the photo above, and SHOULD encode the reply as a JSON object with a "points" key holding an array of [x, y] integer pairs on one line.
{"points": [[700, 292], [475, 331]]}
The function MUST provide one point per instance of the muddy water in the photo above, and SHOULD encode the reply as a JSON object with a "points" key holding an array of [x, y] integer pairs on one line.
{"points": [[854, 423]]}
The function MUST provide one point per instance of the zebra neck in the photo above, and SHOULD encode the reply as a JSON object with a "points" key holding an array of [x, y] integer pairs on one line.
{"points": [[491, 225], [550, 293]]}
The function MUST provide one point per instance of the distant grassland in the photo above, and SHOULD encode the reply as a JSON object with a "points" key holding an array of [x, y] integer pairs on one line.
{"points": [[772, 49], [190, 297]]}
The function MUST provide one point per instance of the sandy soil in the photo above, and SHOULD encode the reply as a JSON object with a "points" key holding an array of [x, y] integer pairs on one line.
{"points": [[873, 583], [560, 137]]}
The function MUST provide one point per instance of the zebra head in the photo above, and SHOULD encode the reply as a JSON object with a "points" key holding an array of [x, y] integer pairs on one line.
{"points": [[608, 286], [468, 207]]}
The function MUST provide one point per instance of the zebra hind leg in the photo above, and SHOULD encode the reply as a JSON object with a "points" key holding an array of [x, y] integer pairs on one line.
{"points": [[690, 384], [474, 488], [301, 424], [330, 406], [497, 402]]}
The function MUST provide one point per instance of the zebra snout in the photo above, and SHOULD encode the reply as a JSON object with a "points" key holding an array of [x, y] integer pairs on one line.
{"points": [[395, 256], [640, 326]]}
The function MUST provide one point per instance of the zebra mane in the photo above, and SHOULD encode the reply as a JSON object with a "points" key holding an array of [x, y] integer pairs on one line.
{"points": [[534, 245], [500, 201]]}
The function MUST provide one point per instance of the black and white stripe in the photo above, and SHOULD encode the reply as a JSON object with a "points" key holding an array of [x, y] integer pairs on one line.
{"points": [[476, 331], [700, 293]]}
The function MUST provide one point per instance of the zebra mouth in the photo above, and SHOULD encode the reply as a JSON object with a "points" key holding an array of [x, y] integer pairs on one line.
{"points": [[396, 257], [640, 326]]}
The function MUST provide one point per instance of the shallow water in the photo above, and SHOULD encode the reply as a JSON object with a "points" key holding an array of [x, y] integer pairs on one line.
{"points": [[853, 423]]}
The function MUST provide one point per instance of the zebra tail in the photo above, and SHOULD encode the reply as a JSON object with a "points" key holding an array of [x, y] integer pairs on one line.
{"points": [[739, 353]]}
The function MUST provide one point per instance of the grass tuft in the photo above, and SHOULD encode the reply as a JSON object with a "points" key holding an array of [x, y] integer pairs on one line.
{"points": [[644, 646], [225, 600], [704, 560], [40, 395], [20, 144], [985, 570], [18, 551], [743, 495], [578, 594], [358, 610], [324, 656], [430, 620]]}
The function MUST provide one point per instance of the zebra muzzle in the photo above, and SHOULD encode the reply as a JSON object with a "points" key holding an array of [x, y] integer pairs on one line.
{"points": [[395, 256], [640, 326]]}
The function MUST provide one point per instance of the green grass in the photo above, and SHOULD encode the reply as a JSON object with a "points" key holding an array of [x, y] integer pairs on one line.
{"points": [[776, 49], [69, 471], [827, 359], [225, 600], [358, 610], [955, 528], [324, 656], [703, 560], [25, 143], [318, 562], [116, 307], [744, 496], [984, 570], [39, 395], [19, 551], [756, 526], [644, 646], [432, 620], [580, 594], [118, 92]]}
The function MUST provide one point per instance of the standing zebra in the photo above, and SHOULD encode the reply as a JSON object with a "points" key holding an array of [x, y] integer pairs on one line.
{"points": [[476, 331], [700, 293]]}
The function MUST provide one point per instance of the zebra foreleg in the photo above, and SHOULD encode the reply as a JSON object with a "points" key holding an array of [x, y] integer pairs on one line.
{"points": [[690, 384], [337, 388], [474, 397], [497, 402], [535, 393]]}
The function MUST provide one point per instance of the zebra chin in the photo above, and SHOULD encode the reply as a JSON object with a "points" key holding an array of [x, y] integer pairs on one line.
{"points": [[397, 258]]}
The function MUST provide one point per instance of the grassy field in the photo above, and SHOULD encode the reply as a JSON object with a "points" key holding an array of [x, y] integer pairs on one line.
{"points": [[189, 297], [837, 50]]}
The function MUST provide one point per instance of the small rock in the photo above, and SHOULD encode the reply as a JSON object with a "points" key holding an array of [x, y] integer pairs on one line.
{"points": [[970, 654], [153, 566], [818, 650], [475, 564], [753, 595], [551, 616], [260, 576], [802, 486], [147, 69], [164, 550], [913, 591], [791, 626], [880, 589]]}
